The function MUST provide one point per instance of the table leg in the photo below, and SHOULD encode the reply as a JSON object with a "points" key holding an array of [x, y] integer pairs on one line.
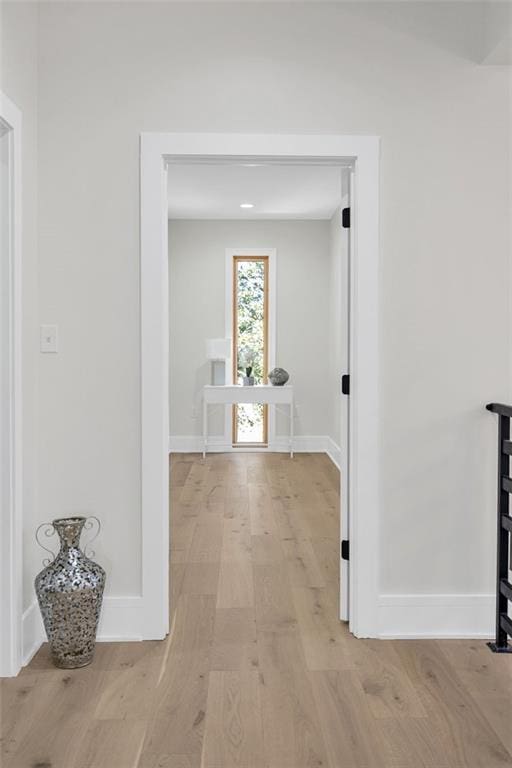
{"points": [[291, 430], [205, 427]]}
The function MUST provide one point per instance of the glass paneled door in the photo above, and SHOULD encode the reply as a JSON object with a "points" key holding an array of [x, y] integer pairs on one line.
{"points": [[250, 345]]}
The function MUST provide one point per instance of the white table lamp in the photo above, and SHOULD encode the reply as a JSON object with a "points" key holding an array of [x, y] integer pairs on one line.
{"points": [[218, 351]]}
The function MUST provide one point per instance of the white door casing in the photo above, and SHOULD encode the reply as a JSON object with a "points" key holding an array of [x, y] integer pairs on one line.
{"points": [[160, 149], [11, 556]]}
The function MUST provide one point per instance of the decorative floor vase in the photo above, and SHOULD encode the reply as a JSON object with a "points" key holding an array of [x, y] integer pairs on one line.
{"points": [[70, 593]]}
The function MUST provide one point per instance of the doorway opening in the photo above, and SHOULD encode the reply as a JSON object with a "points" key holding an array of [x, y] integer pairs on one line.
{"points": [[287, 305], [160, 153]]}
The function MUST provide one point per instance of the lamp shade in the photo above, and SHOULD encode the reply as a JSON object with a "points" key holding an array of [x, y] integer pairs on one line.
{"points": [[217, 349]]}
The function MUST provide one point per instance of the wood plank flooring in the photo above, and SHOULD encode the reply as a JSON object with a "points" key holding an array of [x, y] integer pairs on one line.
{"points": [[257, 671]]}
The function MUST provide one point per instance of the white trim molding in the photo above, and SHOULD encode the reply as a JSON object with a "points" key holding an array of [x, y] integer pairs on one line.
{"points": [[436, 616], [158, 152], [32, 632], [280, 444], [121, 620], [154, 303], [11, 501], [333, 451]]}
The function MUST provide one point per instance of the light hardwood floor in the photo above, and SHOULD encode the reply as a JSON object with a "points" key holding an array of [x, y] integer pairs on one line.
{"points": [[257, 671]]}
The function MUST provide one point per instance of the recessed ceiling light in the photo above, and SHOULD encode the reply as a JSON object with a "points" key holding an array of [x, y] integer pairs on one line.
{"points": [[246, 205]]}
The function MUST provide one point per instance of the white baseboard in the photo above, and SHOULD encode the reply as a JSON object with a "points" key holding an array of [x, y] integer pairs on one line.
{"points": [[301, 444], [121, 620], [436, 616], [32, 632], [281, 444], [189, 443], [333, 451]]}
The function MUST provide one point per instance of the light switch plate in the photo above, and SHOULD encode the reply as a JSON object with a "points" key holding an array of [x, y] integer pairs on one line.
{"points": [[49, 339]]}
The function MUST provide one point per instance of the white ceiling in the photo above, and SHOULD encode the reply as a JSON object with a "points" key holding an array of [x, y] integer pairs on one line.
{"points": [[277, 191]]}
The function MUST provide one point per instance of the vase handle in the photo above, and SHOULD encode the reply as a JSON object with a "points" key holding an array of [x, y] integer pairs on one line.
{"points": [[49, 530], [89, 525]]}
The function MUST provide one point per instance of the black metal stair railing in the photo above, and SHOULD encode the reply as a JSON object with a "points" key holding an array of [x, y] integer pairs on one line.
{"points": [[504, 528]]}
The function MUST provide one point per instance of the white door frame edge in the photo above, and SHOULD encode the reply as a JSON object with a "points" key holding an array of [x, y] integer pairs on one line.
{"points": [[11, 554]]}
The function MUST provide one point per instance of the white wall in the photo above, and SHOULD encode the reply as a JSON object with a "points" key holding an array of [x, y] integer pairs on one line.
{"points": [[19, 51], [197, 266], [404, 72]]}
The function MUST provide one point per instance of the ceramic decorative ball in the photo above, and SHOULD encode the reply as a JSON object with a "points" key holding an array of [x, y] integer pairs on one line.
{"points": [[278, 377]]}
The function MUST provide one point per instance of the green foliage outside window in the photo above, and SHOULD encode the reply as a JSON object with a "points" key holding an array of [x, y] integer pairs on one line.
{"points": [[251, 312], [250, 315]]}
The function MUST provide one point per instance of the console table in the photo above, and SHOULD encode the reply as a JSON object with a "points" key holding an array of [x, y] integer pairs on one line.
{"points": [[233, 394]]}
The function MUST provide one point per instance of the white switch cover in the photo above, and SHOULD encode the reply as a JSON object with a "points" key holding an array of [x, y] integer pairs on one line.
{"points": [[49, 342]]}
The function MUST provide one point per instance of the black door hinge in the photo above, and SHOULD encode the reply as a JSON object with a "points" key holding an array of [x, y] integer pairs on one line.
{"points": [[345, 218], [345, 384], [345, 549]]}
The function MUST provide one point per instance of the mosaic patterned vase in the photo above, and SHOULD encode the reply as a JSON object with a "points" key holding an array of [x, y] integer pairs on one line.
{"points": [[70, 593]]}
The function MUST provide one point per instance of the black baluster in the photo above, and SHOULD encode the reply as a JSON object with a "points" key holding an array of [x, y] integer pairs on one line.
{"points": [[503, 623]]}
